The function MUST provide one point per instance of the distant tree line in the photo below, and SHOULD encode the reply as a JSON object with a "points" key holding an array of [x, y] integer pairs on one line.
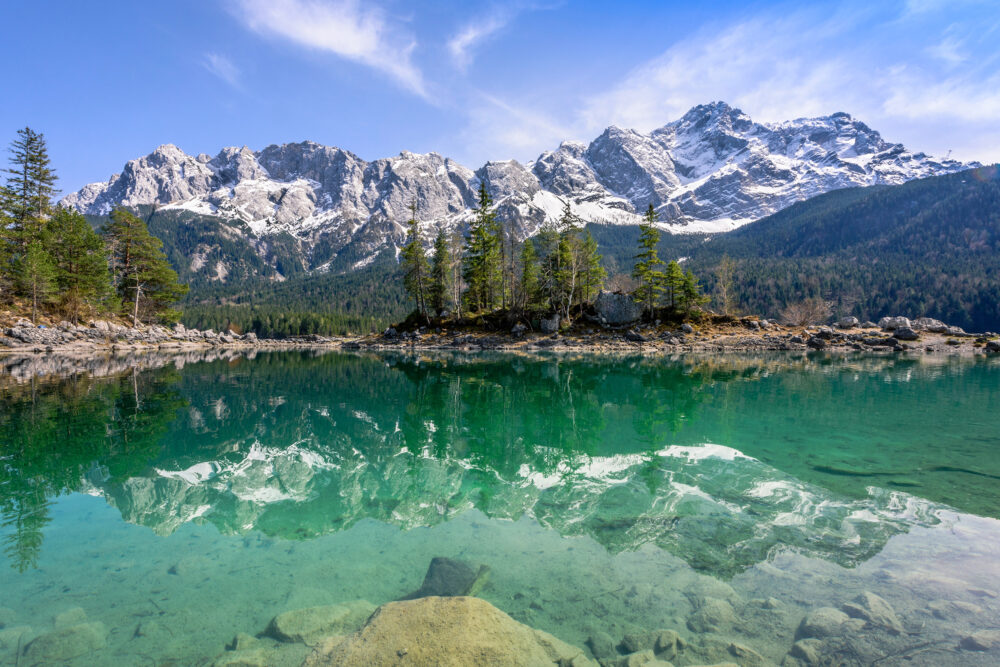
{"points": [[53, 262], [557, 271]]}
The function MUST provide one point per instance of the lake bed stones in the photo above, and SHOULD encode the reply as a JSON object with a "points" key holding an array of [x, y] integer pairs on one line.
{"points": [[822, 622], [714, 615]]}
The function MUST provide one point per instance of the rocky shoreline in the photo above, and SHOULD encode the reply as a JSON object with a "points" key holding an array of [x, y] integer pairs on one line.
{"points": [[749, 334]]}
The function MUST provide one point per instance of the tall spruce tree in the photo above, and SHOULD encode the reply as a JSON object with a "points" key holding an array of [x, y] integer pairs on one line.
{"points": [[592, 272], [80, 261], [143, 278], [482, 257], [29, 187], [690, 293], [530, 292], [647, 267], [438, 291], [414, 261], [673, 283], [36, 276]]}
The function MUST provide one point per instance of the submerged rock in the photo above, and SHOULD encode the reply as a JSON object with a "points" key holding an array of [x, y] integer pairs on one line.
{"points": [[447, 577], [714, 615], [874, 610], [66, 643], [822, 622], [311, 624], [983, 640], [447, 632]]}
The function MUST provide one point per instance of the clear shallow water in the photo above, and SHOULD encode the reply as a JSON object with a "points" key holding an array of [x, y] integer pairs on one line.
{"points": [[179, 506]]}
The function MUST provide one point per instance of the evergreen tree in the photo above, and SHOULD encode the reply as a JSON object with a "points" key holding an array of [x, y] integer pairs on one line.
{"points": [[414, 262], [79, 259], [142, 277], [29, 189], [690, 295], [673, 283], [530, 289], [36, 276], [482, 262], [647, 270], [592, 272], [438, 291]]}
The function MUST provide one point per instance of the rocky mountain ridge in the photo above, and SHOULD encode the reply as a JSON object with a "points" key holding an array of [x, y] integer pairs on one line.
{"points": [[712, 170]]}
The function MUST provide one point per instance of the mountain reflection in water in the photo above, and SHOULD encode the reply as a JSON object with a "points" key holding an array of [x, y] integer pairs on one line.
{"points": [[722, 461]]}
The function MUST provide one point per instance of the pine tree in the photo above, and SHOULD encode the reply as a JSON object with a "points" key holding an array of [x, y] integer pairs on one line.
{"points": [[437, 293], [482, 262], [80, 261], [647, 270], [36, 276], [141, 274], [530, 288], [673, 283], [29, 188], [567, 255], [690, 295], [593, 273], [414, 262]]}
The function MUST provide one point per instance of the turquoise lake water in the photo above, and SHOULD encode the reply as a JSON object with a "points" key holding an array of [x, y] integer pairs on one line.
{"points": [[181, 505]]}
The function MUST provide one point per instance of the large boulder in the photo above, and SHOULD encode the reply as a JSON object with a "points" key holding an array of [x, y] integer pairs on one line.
{"points": [[892, 323], [929, 324], [615, 308], [848, 323], [874, 610], [905, 333], [549, 325], [447, 632], [822, 622], [311, 624]]}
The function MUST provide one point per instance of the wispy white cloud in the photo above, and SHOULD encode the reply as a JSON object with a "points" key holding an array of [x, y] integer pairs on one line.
{"points": [[223, 68], [363, 34], [464, 42]]}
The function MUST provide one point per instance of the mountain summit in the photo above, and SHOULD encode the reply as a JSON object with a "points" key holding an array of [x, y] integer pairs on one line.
{"points": [[712, 170]]}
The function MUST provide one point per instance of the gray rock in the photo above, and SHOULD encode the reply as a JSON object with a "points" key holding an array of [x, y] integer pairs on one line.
{"points": [[64, 644], [602, 645], [874, 610], [615, 308], [868, 324], [390, 333], [847, 323], [687, 328], [984, 640], [447, 577], [313, 623], [634, 336], [808, 650], [929, 324], [891, 323], [816, 343], [905, 333], [955, 331], [798, 340], [549, 325], [714, 615], [518, 330], [822, 622], [993, 346]]}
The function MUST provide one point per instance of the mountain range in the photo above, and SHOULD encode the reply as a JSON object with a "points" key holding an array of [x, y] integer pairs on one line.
{"points": [[305, 208]]}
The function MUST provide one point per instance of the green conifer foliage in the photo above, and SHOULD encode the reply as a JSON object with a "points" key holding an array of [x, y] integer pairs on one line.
{"points": [[647, 267], [29, 188], [36, 276], [142, 276], [530, 298], [414, 263], [80, 262], [439, 289], [482, 267]]}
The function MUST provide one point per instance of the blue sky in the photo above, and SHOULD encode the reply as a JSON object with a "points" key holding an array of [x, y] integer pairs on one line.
{"points": [[110, 81]]}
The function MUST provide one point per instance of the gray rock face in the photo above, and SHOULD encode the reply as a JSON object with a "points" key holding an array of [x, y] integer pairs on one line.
{"points": [[714, 169], [616, 309], [847, 323], [905, 333], [549, 325], [892, 323], [929, 324]]}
